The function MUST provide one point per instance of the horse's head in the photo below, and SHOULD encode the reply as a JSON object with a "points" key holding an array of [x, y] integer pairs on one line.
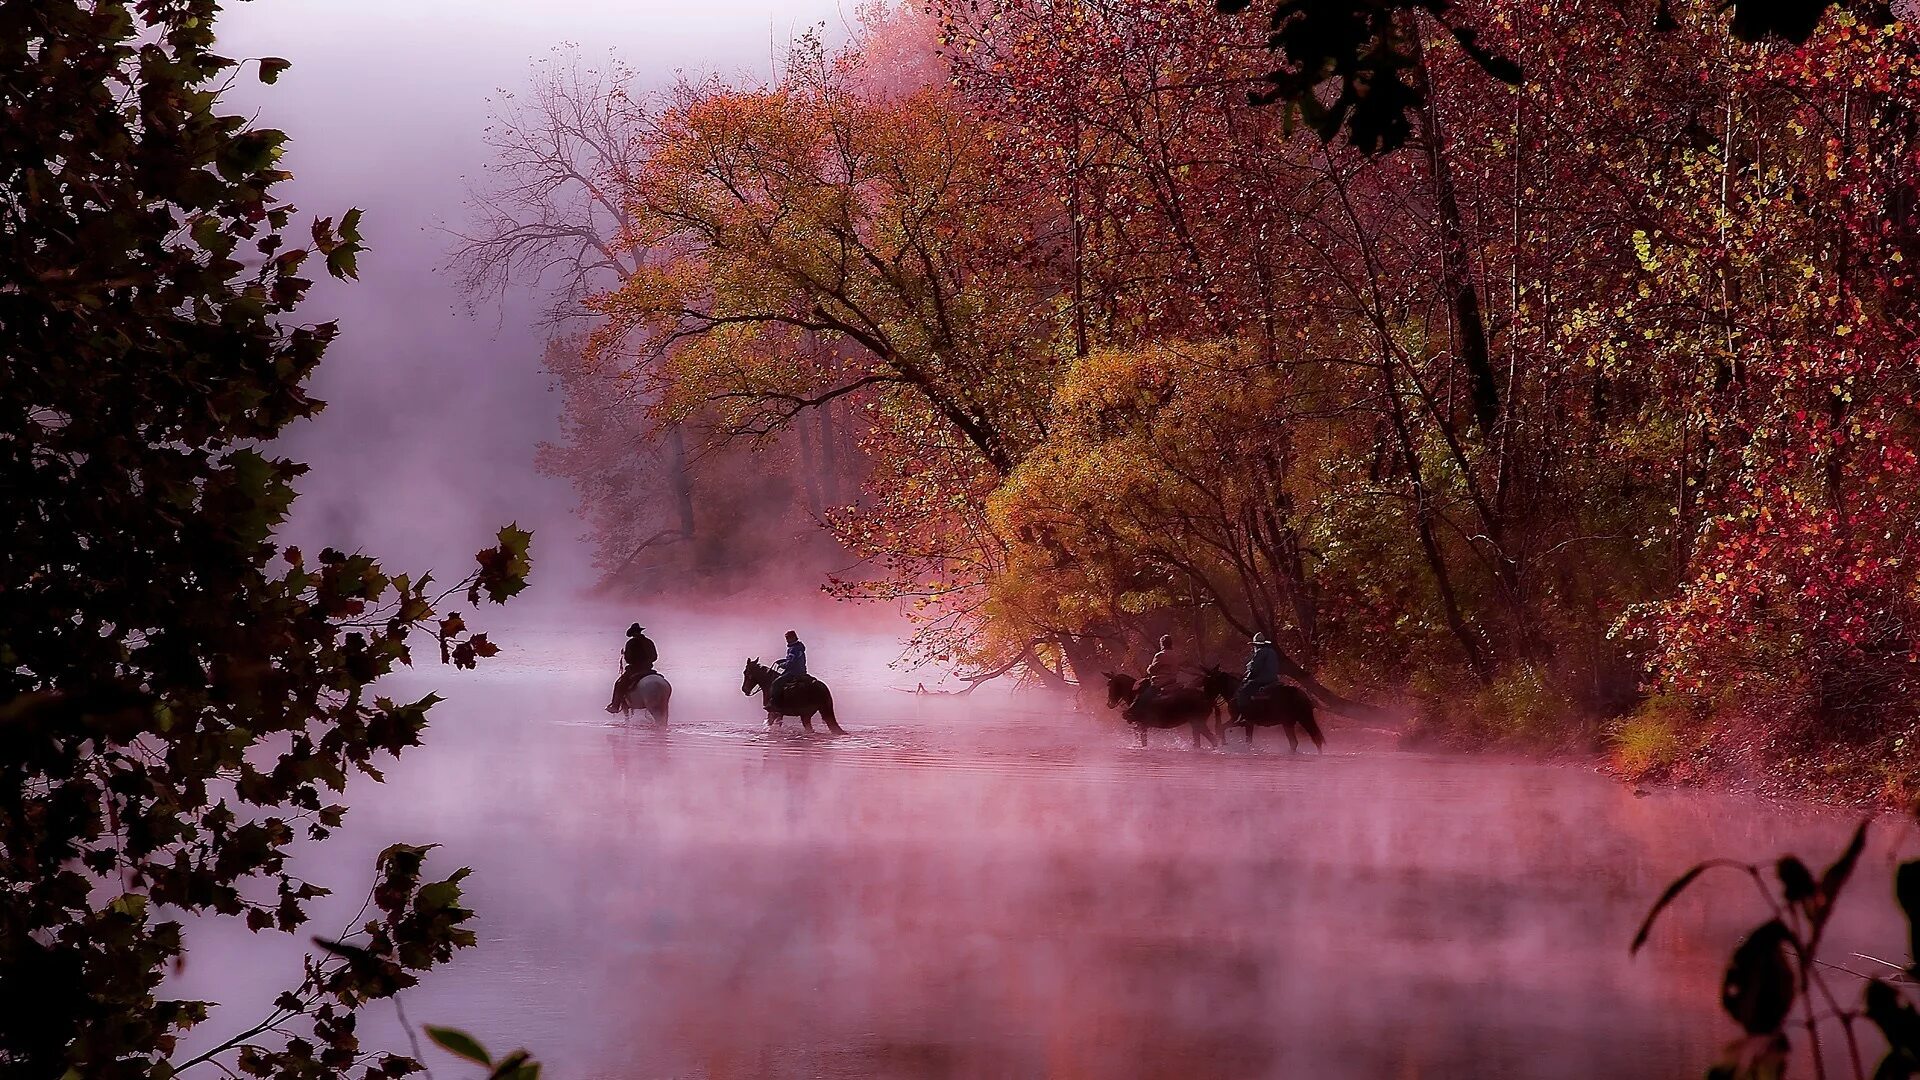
{"points": [[752, 676], [1217, 683], [1121, 689]]}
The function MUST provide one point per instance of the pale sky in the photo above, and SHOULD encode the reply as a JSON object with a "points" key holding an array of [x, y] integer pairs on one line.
{"points": [[433, 413]]}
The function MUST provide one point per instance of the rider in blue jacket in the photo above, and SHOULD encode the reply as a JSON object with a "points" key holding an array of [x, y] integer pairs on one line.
{"points": [[793, 667]]}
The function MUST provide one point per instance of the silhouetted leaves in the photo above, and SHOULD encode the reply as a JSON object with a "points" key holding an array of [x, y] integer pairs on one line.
{"points": [[1759, 987], [1834, 878], [1364, 55], [1906, 888], [1796, 881], [1667, 896], [1899, 1025], [1788, 20], [1757, 1057], [179, 699], [1357, 53], [1763, 984]]}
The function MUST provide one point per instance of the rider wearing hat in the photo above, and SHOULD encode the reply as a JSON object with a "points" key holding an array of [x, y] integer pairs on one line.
{"points": [[637, 656], [1263, 671]]}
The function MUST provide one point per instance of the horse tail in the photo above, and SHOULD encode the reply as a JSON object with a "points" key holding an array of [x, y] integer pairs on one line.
{"points": [[1308, 722], [826, 710], [666, 696]]}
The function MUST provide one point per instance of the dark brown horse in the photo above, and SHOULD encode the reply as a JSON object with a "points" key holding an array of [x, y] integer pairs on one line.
{"points": [[804, 699], [1281, 705], [1193, 706]]}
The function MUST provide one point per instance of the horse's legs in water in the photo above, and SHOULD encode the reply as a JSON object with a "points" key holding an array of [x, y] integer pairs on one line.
{"points": [[1203, 728], [1249, 727], [1293, 737], [1141, 730], [806, 720]]}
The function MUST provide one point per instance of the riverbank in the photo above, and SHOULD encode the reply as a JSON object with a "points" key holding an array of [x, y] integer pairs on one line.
{"points": [[1662, 744], [1873, 771]]}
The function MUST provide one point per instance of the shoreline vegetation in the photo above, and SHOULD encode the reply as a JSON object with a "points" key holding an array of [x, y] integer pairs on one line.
{"points": [[1668, 743]]}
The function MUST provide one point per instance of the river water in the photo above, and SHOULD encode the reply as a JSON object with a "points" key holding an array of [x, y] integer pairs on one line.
{"points": [[1003, 886]]}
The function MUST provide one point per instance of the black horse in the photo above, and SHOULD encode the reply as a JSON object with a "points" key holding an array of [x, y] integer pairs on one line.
{"points": [[804, 699], [1172, 707], [1280, 705]]}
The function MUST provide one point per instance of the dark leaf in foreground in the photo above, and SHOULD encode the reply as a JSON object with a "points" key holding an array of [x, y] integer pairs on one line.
{"points": [[1760, 986]]}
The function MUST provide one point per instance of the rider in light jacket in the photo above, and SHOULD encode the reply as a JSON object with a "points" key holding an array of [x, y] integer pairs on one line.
{"points": [[1161, 672]]}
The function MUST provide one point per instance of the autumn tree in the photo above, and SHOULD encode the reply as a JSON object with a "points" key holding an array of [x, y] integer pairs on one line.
{"points": [[824, 239], [667, 502]]}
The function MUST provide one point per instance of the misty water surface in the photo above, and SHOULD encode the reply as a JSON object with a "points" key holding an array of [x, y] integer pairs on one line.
{"points": [[1004, 887]]}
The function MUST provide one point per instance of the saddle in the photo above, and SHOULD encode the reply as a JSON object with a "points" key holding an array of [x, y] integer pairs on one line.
{"points": [[779, 694]]}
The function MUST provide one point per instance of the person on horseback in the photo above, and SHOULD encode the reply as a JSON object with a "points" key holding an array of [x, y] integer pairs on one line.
{"points": [[1161, 672], [793, 667], [1263, 671], [637, 658]]}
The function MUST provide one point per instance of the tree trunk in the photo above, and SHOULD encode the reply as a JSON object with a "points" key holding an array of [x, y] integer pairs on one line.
{"points": [[1083, 655], [1456, 275], [829, 458], [1429, 544], [809, 476], [682, 478]]}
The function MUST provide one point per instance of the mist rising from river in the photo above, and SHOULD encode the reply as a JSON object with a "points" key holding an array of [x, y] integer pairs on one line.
{"points": [[1002, 886]]}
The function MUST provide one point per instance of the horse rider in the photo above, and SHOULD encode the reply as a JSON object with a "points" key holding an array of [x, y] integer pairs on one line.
{"points": [[1263, 671], [637, 657], [1161, 672], [793, 667]]}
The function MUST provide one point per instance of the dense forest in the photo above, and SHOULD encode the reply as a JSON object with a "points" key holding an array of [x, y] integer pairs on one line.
{"points": [[1581, 399]]}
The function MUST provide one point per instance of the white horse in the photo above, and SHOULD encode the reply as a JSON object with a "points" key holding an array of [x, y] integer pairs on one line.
{"points": [[651, 693]]}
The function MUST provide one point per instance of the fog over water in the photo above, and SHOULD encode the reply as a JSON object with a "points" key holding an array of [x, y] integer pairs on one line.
{"points": [[435, 404], [1003, 886]]}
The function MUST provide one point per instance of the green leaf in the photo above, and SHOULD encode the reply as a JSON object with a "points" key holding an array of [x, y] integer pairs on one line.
{"points": [[459, 1043], [504, 568], [518, 1065], [342, 262]]}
